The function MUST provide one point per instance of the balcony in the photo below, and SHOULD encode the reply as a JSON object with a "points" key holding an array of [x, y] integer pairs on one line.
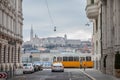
{"points": [[92, 11]]}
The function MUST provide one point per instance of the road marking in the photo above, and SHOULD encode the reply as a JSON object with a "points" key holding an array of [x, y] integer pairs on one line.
{"points": [[69, 75], [88, 75], [69, 78]]}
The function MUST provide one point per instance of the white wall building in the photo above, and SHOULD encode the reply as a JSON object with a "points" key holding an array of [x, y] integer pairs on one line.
{"points": [[11, 22], [55, 41], [73, 42], [93, 13], [106, 17]]}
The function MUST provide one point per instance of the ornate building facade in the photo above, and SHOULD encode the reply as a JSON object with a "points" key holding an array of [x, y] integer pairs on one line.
{"points": [[11, 23], [93, 13], [106, 13]]}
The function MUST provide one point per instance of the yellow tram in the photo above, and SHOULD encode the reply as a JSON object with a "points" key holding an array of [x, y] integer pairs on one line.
{"points": [[75, 60]]}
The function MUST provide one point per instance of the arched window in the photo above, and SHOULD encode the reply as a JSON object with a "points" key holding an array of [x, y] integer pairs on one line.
{"points": [[19, 54], [8, 54], [4, 56], [12, 52]]}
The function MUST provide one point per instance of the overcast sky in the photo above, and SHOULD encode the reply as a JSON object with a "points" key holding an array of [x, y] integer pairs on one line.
{"points": [[68, 16]]}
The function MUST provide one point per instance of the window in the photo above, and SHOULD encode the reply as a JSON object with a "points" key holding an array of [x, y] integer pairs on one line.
{"points": [[88, 58], [59, 58], [70, 58], [76, 58], [96, 47], [12, 55], [96, 21], [92, 1], [82, 59], [8, 54], [65, 58]]}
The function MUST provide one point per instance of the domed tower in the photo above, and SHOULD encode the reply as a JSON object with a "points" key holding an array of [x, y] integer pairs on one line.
{"points": [[31, 33], [65, 36]]}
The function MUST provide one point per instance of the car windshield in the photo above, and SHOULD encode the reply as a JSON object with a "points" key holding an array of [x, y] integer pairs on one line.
{"points": [[26, 64]]}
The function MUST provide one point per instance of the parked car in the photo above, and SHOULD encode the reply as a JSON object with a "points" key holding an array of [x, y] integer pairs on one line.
{"points": [[57, 67], [28, 67], [37, 66]]}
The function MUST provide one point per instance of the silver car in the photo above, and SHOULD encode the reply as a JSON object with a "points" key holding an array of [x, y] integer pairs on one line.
{"points": [[57, 67], [28, 67]]}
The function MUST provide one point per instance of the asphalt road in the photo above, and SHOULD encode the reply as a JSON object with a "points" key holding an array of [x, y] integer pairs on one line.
{"points": [[68, 74]]}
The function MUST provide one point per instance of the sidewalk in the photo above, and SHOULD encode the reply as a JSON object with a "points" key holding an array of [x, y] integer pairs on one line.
{"points": [[97, 75], [18, 78]]}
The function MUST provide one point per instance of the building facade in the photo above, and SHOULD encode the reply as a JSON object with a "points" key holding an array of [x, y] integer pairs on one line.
{"points": [[11, 22], [93, 13], [108, 12]]}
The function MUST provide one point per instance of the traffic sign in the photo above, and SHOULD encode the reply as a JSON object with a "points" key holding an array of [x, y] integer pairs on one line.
{"points": [[3, 75]]}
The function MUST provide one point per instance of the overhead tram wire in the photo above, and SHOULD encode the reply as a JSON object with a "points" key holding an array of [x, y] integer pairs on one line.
{"points": [[51, 19]]}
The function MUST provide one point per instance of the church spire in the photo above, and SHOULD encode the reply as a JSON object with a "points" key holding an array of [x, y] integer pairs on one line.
{"points": [[31, 33]]}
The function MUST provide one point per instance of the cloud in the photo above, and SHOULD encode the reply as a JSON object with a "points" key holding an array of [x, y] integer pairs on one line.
{"points": [[69, 17]]}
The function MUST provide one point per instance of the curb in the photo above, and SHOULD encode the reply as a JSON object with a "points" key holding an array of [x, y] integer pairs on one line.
{"points": [[88, 75]]}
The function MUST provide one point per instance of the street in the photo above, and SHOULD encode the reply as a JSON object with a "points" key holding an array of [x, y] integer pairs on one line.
{"points": [[68, 74]]}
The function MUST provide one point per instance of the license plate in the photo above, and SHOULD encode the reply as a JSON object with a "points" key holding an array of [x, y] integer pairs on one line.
{"points": [[26, 67]]}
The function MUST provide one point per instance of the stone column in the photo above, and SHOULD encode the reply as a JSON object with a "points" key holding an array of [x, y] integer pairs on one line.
{"points": [[6, 54], [3, 68], [109, 23], [104, 35], [116, 20], [110, 37], [14, 54], [2, 53]]}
